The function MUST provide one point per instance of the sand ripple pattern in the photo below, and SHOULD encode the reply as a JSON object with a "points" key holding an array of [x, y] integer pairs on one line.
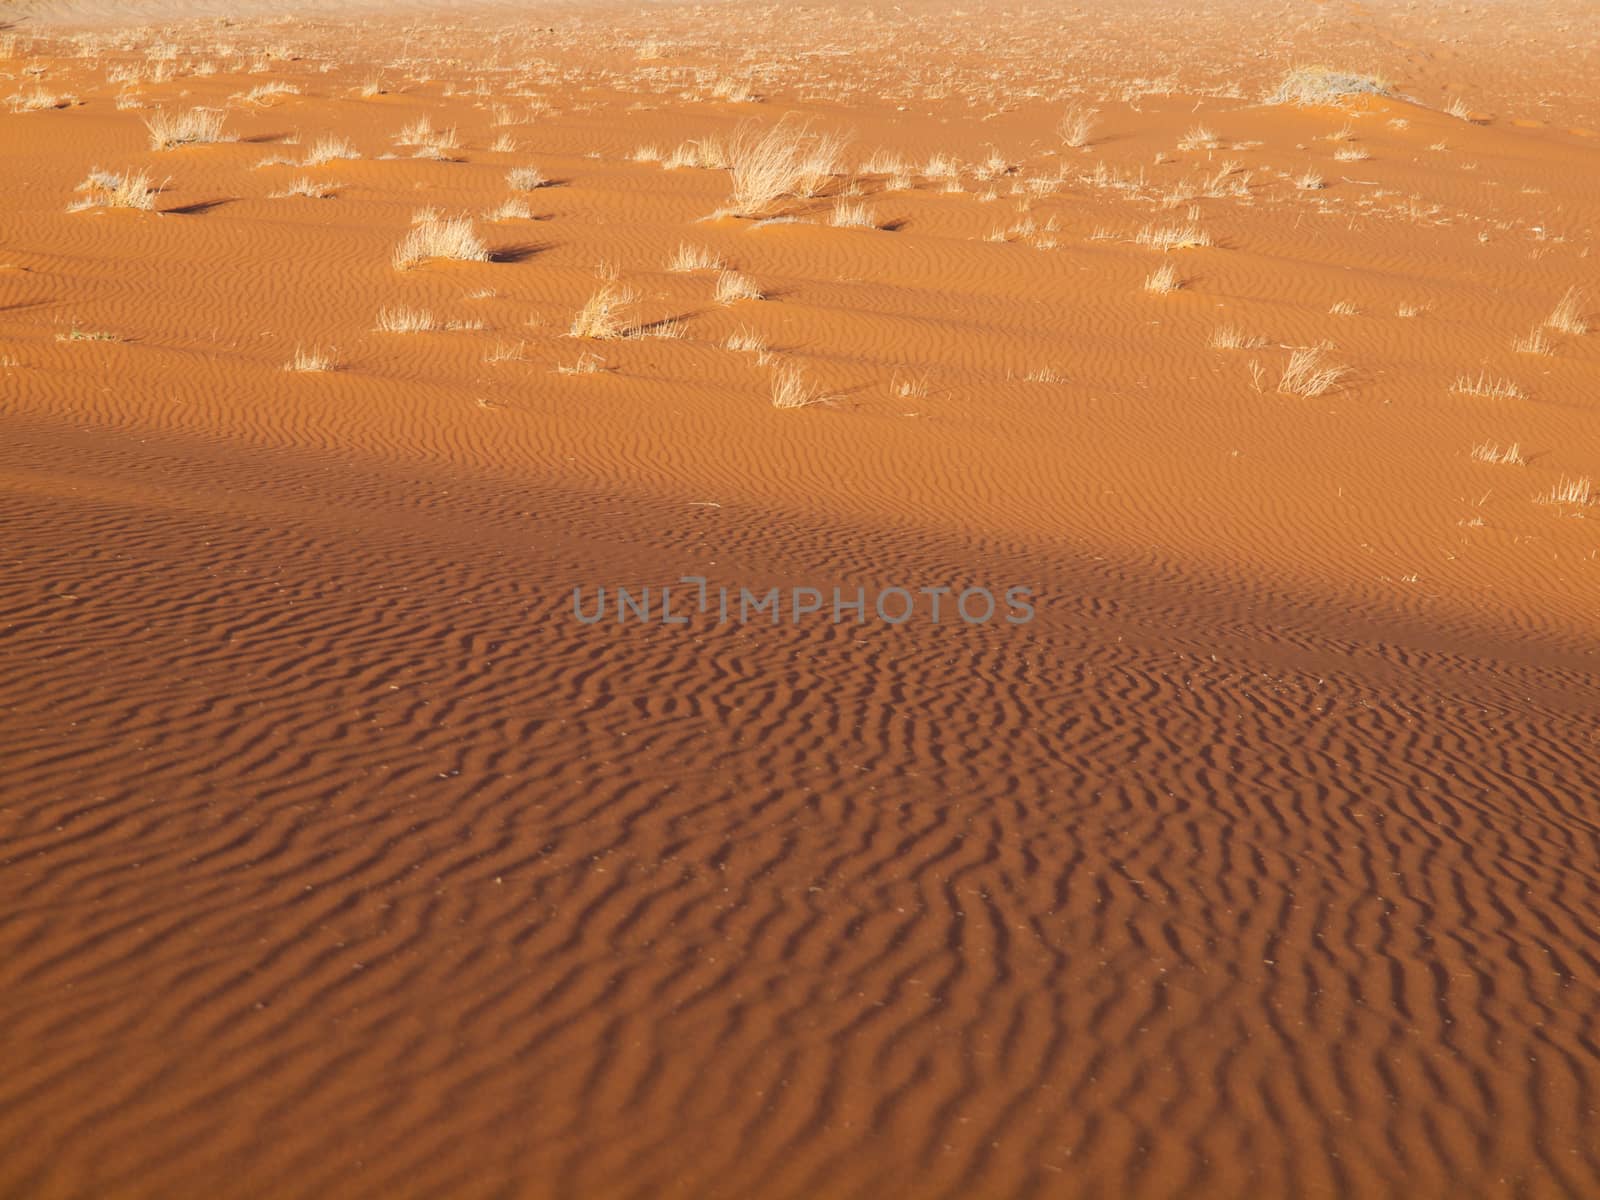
{"points": [[337, 859]]}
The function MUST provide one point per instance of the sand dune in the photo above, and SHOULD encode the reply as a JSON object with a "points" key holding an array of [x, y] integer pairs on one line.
{"points": [[340, 859]]}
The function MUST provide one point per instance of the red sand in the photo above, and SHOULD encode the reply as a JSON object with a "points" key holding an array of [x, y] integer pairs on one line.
{"points": [[338, 859]]}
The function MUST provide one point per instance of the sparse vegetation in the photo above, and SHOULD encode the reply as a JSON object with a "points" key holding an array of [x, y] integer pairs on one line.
{"points": [[791, 389], [1309, 373], [1535, 343], [310, 360], [1162, 280], [526, 179], [852, 214], [1320, 85], [433, 236], [733, 287], [1487, 386], [1229, 337], [328, 148], [1491, 452], [1076, 126], [784, 161], [694, 258], [198, 126], [1567, 316], [601, 316], [406, 320], [1569, 493], [102, 189]]}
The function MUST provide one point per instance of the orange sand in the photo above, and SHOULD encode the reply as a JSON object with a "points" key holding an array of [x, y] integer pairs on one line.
{"points": [[338, 859]]}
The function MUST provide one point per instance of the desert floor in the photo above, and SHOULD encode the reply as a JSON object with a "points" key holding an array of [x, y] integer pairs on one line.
{"points": [[338, 859]]}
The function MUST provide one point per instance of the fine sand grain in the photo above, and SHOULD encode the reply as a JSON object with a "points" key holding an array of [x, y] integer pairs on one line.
{"points": [[338, 859]]}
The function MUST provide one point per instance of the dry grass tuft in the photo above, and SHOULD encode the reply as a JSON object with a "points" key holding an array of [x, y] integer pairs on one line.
{"points": [[1577, 493], [1487, 386], [433, 236], [198, 126], [733, 287], [1568, 315], [1229, 337], [695, 258], [311, 360], [601, 316], [1319, 85], [125, 190], [852, 214], [526, 179], [1163, 280], [406, 320], [1490, 452], [1308, 373], [1184, 237], [328, 148], [1535, 343], [791, 389], [783, 161], [746, 341], [1076, 127]]}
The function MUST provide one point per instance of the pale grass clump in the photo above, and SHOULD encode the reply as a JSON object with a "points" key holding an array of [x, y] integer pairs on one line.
{"points": [[1535, 343], [1198, 138], [1458, 109], [327, 148], [1351, 154], [38, 100], [910, 386], [706, 153], [1319, 85], [1230, 337], [1568, 315], [1162, 280], [503, 143], [1309, 181], [791, 389], [733, 287], [1577, 493], [736, 91], [1490, 452], [526, 179], [263, 93], [1173, 237], [124, 190], [588, 363], [1076, 126], [694, 258], [1488, 386], [515, 209], [746, 341], [1343, 308], [601, 316], [198, 126], [781, 162], [1308, 373], [307, 187], [311, 360], [434, 236], [406, 320], [852, 214]]}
